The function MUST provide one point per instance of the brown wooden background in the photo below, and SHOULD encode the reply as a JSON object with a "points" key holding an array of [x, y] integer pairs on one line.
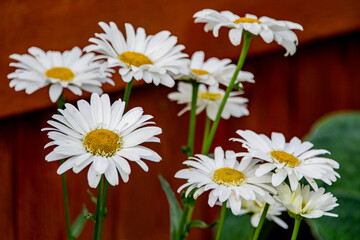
{"points": [[289, 95]]}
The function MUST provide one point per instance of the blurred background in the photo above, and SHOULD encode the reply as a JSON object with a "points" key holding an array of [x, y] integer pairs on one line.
{"points": [[289, 95]]}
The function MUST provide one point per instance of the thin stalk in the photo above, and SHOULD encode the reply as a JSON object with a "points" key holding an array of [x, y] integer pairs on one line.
{"points": [[101, 219], [246, 44], [127, 92], [189, 213], [221, 220], [60, 103], [66, 204], [251, 232], [99, 212], [296, 228], [192, 124], [206, 133], [106, 188], [261, 222], [188, 209], [182, 224]]}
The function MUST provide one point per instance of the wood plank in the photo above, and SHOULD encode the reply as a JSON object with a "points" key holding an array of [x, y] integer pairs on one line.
{"points": [[7, 196]]}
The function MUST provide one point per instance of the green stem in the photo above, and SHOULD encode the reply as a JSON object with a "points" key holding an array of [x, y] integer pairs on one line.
{"points": [[127, 92], [206, 133], [261, 222], [296, 228], [251, 232], [182, 225], [221, 220], [60, 103], [98, 208], [192, 123], [66, 204], [189, 215], [246, 44], [103, 206]]}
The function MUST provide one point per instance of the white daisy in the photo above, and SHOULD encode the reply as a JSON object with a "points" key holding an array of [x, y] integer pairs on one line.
{"points": [[101, 135], [210, 100], [269, 29], [69, 69], [213, 71], [227, 179], [306, 203], [294, 160], [256, 211], [153, 58]]}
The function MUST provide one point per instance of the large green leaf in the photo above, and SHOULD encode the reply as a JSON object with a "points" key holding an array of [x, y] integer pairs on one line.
{"points": [[175, 209], [235, 227], [340, 134]]}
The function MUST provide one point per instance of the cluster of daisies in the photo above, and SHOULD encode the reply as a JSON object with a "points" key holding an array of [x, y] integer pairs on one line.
{"points": [[261, 176], [105, 137], [271, 171], [101, 135]]}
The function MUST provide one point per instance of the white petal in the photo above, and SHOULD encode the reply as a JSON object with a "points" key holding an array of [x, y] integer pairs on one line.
{"points": [[93, 177]]}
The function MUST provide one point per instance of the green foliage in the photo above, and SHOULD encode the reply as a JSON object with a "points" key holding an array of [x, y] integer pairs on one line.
{"points": [[235, 227], [185, 149], [92, 197], [79, 223], [340, 134], [175, 209], [201, 224]]}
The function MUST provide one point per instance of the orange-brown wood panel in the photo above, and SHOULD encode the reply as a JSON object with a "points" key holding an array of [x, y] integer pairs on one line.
{"points": [[7, 187], [63, 24]]}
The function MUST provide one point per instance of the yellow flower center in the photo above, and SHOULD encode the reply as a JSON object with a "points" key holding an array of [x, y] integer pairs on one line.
{"points": [[284, 157], [62, 73], [134, 58], [102, 142], [200, 72], [228, 177], [210, 96], [246, 20], [303, 204]]}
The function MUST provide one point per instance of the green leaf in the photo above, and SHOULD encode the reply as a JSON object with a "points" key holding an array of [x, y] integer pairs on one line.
{"points": [[92, 197], [175, 209], [344, 227], [235, 227], [185, 149], [79, 223], [340, 134], [90, 216], [200, 224]]}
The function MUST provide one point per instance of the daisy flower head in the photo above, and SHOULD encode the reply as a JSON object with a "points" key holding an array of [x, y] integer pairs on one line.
{"points": [[154, 58], [306, 203], [209, 99], [226, 179], [101, 135], [269, 29], [256, 210], [69, 69], [294, 160], [213, 71]]}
